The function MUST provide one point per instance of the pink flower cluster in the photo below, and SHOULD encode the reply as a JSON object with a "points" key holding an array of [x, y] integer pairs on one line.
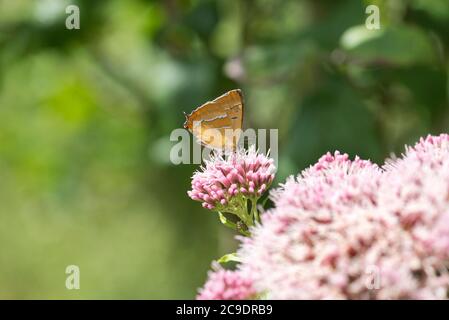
{"points": [[227, 285], [245, 173], [350, 230], [333, 184], [416, 191]]}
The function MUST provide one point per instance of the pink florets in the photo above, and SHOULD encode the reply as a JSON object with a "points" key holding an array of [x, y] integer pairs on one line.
{"points": [[357, 255], [416, 191], [349, 230], [313, 244], [332, 184], [243, 173], [226, 285]]}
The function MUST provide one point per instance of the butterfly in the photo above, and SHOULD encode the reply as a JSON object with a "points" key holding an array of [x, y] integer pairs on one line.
{"points": [[217, 124]]}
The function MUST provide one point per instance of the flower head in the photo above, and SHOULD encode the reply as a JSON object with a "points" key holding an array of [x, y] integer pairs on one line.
{"points": [[224, 180], [347, 229], [357, 255], [334, 183], [226, 285], [416, 190]]}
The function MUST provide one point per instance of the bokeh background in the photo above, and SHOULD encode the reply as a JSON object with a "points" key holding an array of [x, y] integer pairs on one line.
{"points": [[85, 119]]}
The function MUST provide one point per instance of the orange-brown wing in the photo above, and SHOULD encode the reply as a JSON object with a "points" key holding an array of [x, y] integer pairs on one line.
{"points": [[218, 123]]}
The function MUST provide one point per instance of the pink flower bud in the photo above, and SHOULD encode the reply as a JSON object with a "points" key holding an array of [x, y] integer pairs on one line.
{"points": [[224, 178]]}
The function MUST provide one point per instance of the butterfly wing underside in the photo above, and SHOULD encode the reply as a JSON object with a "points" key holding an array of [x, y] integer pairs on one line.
{"points": [[211, 122]]}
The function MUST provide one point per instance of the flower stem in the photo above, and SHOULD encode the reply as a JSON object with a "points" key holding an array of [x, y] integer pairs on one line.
{"points": [[254, 213]]}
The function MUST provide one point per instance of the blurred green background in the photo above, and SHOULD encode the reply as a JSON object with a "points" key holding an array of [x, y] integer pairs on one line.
{"points": [[85, 119]]}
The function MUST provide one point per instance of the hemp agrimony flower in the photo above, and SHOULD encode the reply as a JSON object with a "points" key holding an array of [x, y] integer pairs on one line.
{"points": [[233, 184], [348, 229], [227, 285]]}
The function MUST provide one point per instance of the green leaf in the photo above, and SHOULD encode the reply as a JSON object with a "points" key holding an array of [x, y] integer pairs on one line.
{"points": [[229, 257], [226, 221], [357, 36], [402, 46], [437, 9]]}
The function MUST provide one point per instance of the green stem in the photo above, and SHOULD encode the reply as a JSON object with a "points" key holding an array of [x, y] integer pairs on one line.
{"points": [[254, 213]]}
